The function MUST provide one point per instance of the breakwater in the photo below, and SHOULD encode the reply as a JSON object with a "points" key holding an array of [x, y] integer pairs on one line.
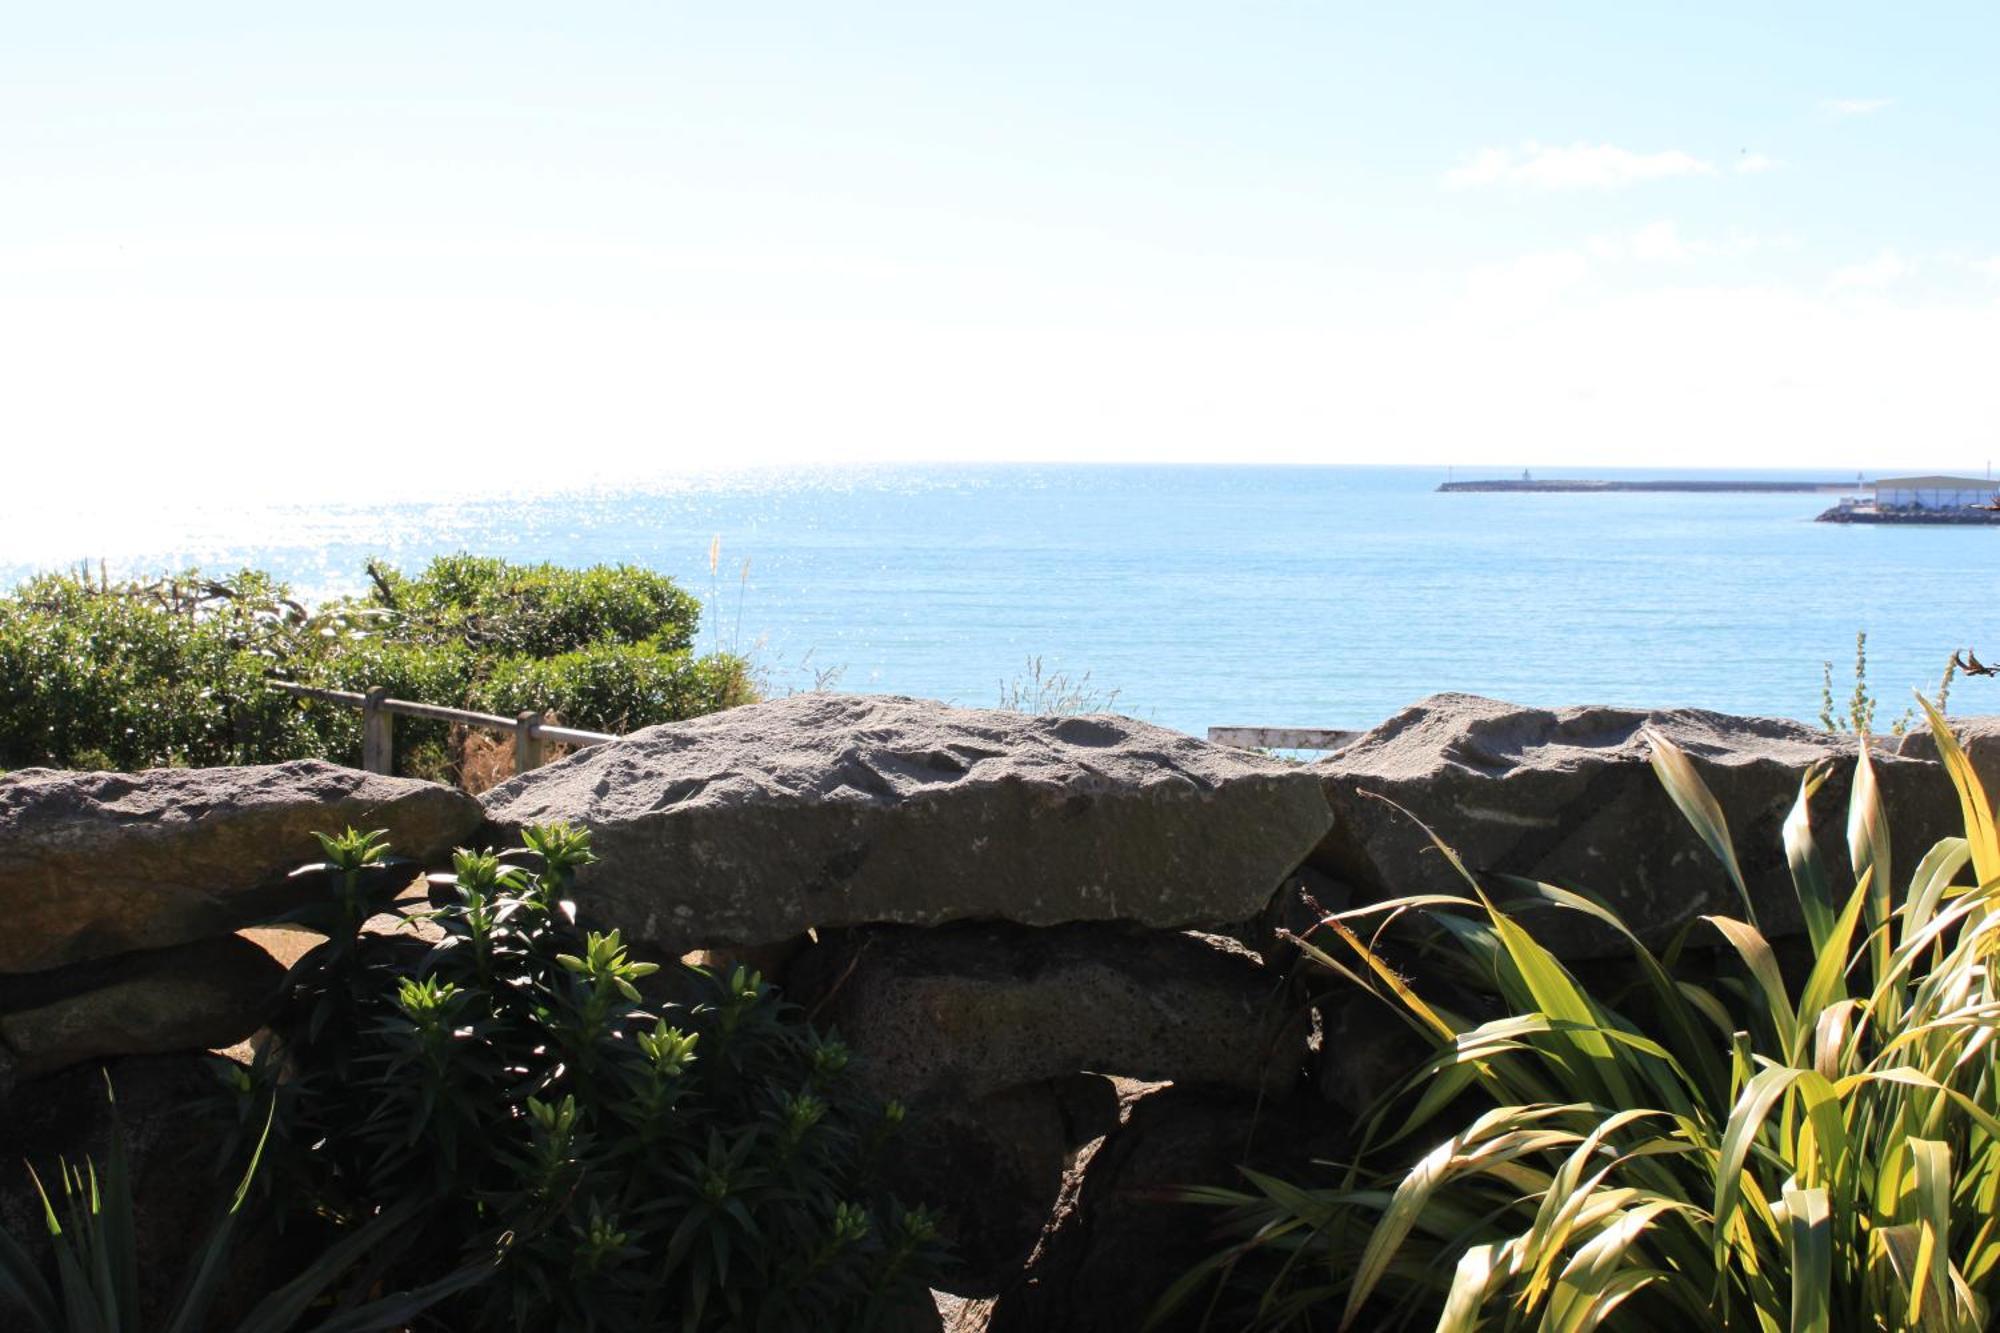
{"points": [[1971, 517], [1591, 484]]}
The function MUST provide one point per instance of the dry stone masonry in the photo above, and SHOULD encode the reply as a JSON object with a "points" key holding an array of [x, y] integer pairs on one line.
{"points": [[187, 997], [821, 810], [968, 1010], [94, 864], [1063, 943], [1567, 796]]}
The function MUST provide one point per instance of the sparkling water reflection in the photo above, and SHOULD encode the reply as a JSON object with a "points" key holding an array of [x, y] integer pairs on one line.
{"points": [[1295, 596]]}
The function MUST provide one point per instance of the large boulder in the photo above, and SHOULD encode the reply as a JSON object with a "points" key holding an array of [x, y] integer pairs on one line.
{"points": [[94, 864], [1366, 1048], [188, 997], [1979, 737], [1568, 796], [991, 1168], [965, 1011], [821, 810], [999, 1037], [1118, 1236]]}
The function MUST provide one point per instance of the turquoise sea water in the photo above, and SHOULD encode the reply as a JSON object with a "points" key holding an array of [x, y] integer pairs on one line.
{"points": [[1203, 595]]}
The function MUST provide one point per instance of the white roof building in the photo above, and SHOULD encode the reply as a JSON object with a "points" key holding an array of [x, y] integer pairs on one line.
{"points": [[1934, 492]]}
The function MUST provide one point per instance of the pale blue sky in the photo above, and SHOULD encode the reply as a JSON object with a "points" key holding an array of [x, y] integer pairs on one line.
{"points": [[612, 239]]}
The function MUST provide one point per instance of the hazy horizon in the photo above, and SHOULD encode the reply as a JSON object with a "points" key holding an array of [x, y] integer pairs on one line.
{"points": [[139, 536]]}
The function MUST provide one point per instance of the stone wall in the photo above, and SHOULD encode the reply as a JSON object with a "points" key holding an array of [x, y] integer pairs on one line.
{"points": [[1060, 941]]}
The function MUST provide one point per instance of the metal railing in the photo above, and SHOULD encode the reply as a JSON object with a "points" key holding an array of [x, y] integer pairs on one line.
{"points": [[532, 733]]}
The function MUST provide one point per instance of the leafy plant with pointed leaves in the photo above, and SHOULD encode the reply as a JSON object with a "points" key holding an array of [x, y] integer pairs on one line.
{"points": [[647, 1158], [93, 1239], [1762, 1152]]}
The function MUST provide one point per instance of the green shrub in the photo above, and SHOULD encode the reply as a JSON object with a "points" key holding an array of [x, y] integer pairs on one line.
{"points": [[536, 610], [425, 673], [1813, 1153], [697, 1164], [135, 675], [616, 687]]}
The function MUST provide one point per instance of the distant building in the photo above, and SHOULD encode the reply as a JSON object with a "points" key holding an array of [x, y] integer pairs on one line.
{"points": [[1934, 492]]}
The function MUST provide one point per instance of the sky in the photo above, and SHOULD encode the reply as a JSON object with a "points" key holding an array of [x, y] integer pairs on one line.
{"points": [[251, 249]]}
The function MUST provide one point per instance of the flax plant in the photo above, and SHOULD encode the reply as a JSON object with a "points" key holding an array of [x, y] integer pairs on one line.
{"points": [[93, 1224], [1765, 1153]]}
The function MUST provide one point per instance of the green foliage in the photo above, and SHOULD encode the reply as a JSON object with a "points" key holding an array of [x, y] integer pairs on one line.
{"points": [[1858, 715], [645, 1161], [1811, 1152], [615, 687], [139, 676], [129, 676], [93, 1236], [426, 673], [536, 610]]}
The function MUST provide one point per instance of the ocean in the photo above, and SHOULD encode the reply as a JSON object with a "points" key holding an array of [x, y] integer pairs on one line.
{"points": [[1201, 595]]}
